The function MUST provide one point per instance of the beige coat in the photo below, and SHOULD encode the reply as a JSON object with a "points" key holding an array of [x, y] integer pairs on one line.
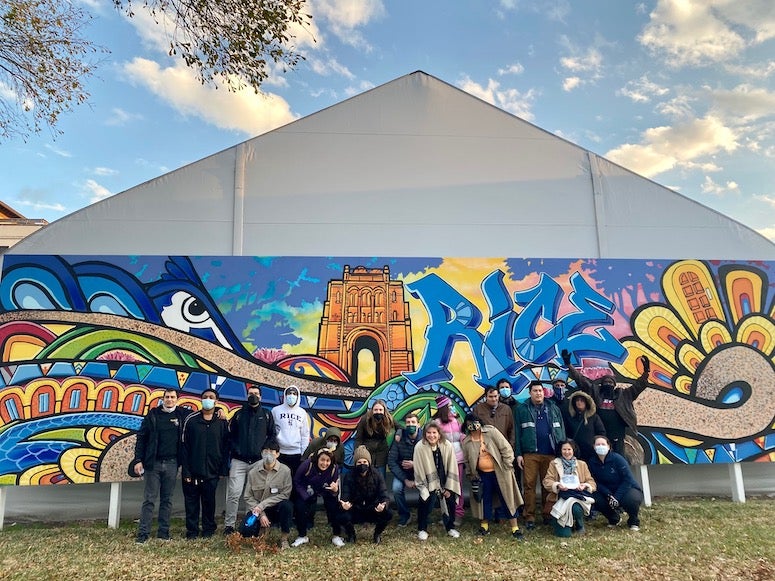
{"points": [[503, 456], [552, 479]]}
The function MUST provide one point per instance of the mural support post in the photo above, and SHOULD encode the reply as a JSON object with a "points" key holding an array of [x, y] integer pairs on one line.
{"points": [[114, 507], [645, 484], [3, 496], [738, 486]]}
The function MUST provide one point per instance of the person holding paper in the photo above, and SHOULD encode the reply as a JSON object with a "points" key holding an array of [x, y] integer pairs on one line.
{"points": [[570, 486]]}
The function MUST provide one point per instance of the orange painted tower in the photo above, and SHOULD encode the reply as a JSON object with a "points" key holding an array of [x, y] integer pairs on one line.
{"points": [[366, 311]]}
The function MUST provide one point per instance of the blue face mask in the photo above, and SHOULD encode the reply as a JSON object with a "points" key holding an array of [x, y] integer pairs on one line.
{"points": [[208, 404], [505, 391], [291, 399]]}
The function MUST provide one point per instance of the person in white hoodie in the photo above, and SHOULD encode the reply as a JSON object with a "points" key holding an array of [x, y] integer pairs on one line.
{"points": [[293, 428]]}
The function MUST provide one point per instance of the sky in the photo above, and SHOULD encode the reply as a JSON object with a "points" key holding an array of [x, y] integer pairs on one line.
{"points": [[679, 91]]}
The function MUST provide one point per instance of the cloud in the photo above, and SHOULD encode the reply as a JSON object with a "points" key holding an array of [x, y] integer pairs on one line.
{"points": [[359, 88], [326, 67], [745, 103], [95, 191], [344, 17], [705, 32], [511, 100], [242, 111], [513, 69], [38, 205], [769, 200], [755, 70], [119, 117], [570, 83], [681, 145], [767, 232], [711, 187], [104, 171], [642, 90], [584, 64], [60, 152]]}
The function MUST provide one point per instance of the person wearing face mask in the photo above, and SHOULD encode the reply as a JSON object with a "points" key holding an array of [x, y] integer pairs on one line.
{"points": [[249, 429], [156, 459], [614, 402], [292, 428], [364, 497], [401, 467], [267, 496], [331, 440], [616, 488], [373, 431], [205, 459], [452, 428]]}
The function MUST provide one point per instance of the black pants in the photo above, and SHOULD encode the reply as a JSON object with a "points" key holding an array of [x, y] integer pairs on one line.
{"points": [[630, 503], [200, 494], [357, 515], [304, 513], [282, 513], [425, 507]]}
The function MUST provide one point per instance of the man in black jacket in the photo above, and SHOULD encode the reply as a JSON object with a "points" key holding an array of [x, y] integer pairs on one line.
{"points": [[249, 430], [400, 463], [156, 460], [205, 458]]}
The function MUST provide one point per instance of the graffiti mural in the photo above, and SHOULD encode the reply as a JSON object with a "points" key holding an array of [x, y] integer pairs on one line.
{"points": [[90, 343]]}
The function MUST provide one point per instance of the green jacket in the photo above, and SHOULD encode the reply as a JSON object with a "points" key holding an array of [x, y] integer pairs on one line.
{"points": [[525, 427]]}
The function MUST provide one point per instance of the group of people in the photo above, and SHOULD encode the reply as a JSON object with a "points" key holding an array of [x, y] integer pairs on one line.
{"points": [[571, 443]]}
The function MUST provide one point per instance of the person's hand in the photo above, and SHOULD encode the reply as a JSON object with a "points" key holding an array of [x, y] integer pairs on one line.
{"points": [[407, 464], [139, 469], [346, 505], [520, 462], [380, 507], [561, 486], [612, 502], [646, 365], [409, 483], [334, 486], [565, 357], [264, 521]]}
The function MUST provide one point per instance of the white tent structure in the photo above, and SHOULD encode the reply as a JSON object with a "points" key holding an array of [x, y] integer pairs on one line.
{"points": [[415, 167]]}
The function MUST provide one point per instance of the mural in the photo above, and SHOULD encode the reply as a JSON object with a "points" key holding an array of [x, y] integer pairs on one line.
{"points": [[89, 345]]}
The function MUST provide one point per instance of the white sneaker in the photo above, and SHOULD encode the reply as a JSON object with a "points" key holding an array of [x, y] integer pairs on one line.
{"points": [[453, 533], [338, 541], [422, 535], [300, 541], [635, 528]]}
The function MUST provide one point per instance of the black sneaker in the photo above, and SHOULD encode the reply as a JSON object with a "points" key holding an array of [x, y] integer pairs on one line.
{"points": [[163, 537], [377, 539], [483, 532], [517, 534], [227, 531], [530, 525], [140, 539], [351, 538]]}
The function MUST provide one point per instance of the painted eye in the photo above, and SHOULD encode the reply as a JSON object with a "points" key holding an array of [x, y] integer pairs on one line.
{"points": [[194, 311]]}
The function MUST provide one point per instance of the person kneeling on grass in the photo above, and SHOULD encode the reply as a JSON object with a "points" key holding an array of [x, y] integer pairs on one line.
{"points": [[570, 487], [436, 476], [267, 495], [489, 460], [364, 497], [317, 476], [616, 488]]}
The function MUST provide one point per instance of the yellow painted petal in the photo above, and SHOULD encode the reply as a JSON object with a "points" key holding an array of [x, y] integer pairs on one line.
{"points": [[80, 464], [690, 357], [661, 329], [744, 292], [758, 332], [713, 334]]}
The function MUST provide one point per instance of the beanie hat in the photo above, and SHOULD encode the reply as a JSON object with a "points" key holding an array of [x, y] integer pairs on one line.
{"points": [[442, 400], [361, 452]]}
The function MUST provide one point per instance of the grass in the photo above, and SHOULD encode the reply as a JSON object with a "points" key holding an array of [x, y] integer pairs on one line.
{"points": [[682, 539]]}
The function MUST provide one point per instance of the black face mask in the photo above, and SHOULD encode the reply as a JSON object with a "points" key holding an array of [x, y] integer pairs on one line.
{"points": [[379, 417], [362, 469], [253, 400]]}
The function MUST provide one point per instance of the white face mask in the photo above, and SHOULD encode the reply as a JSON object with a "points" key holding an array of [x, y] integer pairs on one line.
{"points": [[208, 404], [291, 399], [268, 458], [601, 449]]}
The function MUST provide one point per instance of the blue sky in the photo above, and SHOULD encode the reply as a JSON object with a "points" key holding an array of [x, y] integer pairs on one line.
{"points": [[680, 91]]}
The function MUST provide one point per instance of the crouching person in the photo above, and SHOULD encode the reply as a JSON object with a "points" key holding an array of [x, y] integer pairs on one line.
{"points": [[570, 486], [317, 476], [364, 497], [267, 496]]}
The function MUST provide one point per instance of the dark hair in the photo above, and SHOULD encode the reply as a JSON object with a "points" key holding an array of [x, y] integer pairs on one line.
{"points": [[502, 381], [171, 389], [602, 436], [443, 414], [271, 444], [571, 443], [490, 389]]}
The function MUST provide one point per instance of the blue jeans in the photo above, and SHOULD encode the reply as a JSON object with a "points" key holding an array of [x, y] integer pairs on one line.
{"points": [[400, 499], [159, 483]]}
